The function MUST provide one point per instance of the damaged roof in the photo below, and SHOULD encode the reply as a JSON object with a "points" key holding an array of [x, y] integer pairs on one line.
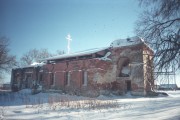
{"points": [[76, 54], [117, 43], [127, 42]]}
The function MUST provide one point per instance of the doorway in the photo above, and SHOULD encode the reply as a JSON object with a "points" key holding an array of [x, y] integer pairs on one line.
{"points": [[128, 83]]}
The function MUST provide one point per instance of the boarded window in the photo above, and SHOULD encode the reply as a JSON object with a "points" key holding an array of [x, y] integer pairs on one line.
{"points": [[28, 80], [84, 78], [41, 77], [17, 78], [51, 78], [28, 76]]}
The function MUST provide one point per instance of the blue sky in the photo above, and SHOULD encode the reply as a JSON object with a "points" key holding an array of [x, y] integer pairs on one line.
{"points": [[45, 23]]}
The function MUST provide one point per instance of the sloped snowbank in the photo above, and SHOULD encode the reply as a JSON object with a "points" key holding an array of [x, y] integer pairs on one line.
{"points": [[55, 106]]}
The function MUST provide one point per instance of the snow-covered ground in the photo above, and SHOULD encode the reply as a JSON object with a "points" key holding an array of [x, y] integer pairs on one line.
{"points": [[54, 106]]}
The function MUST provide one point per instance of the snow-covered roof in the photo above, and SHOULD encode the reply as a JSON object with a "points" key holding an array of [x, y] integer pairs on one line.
{"points": [[117, 43], [34, 64], [127, 42], [76, 54]]}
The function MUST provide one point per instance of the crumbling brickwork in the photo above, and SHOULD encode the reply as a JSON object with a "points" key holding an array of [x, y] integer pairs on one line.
{"points": [[114, 70]]}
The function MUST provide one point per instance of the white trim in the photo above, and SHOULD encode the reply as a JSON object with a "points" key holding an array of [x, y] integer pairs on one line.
{"points": [[54, 79], [28, 72], [59, 71], [95, 68], [48, 72], [85, 78], [69, 78]]}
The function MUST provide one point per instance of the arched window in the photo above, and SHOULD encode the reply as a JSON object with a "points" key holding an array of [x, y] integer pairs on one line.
{"points": [[125, 69]]}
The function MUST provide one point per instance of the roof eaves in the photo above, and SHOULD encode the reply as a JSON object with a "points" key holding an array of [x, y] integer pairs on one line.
{"points": [[77, 54]]}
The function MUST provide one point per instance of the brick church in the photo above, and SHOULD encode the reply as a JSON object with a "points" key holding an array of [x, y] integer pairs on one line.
{"points": [[124, 66]]}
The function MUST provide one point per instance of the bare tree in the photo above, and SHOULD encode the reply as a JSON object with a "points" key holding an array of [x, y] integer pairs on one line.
{"points": [[35, 55], [7, 61], [159, 24], [59, 52]]}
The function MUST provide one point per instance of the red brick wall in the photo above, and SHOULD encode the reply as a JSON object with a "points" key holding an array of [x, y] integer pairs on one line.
{"points": [[75, 68], [103, 69], [59, 79]]}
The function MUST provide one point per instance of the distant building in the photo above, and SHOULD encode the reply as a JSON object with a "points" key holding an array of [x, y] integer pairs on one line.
{"points": [[168, 87], [126, 65]]}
